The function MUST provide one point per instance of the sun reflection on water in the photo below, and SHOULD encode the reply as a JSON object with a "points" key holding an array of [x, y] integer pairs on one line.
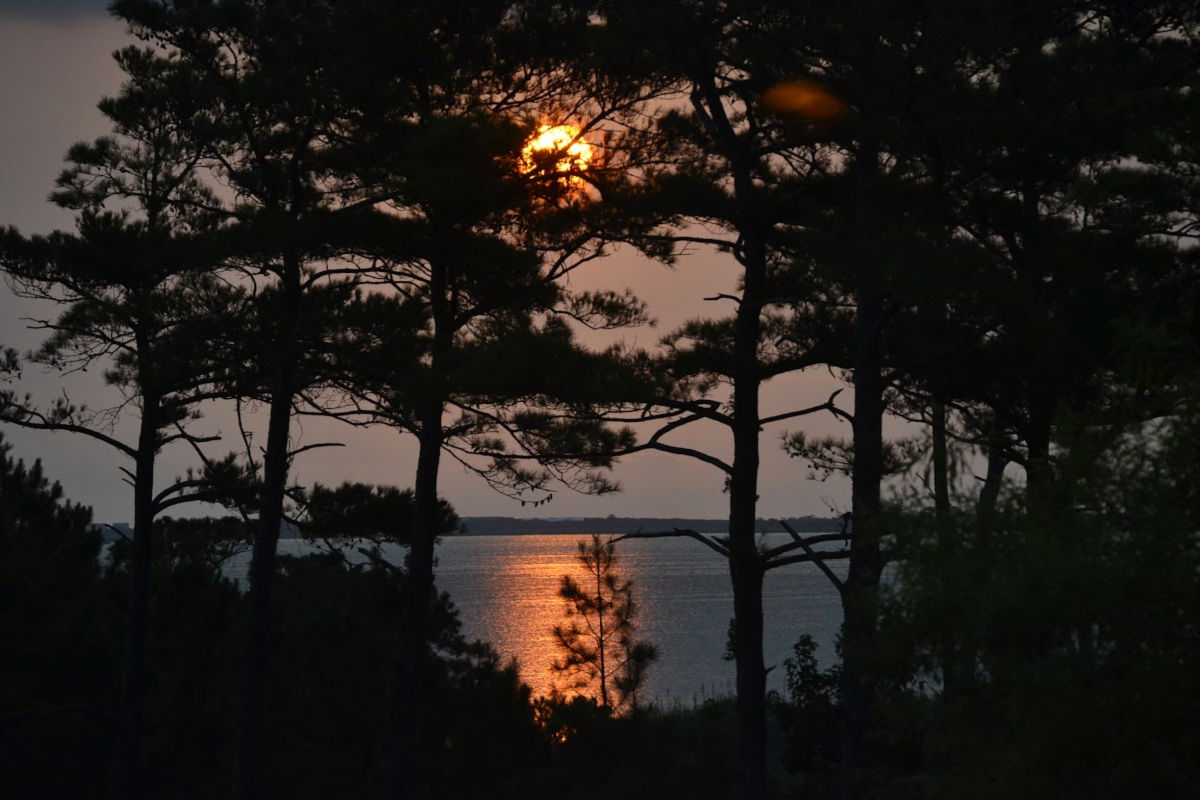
{"points": [[506, 589], [526, 608]]}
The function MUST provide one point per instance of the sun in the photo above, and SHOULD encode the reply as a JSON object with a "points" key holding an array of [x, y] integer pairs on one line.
{"points": [[557, 148]]}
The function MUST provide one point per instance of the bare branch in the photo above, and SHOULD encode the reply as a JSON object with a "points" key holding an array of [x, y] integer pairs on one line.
{"points": [[204, 459], [183, 435], [828, 405], [801, 542], [812, 555], [688, 532], [815, 557], [314, 446], [118, 531], [177, 488], [28, 418], [687, 451]]}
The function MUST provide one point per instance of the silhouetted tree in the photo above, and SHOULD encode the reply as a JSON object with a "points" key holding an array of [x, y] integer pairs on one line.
{"points": [[1001, 237], [269, 142], [599, 648], [721, 171], [478, 276], [139, 301]]}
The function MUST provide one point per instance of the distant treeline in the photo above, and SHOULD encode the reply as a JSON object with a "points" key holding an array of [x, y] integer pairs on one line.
{"points": [[507, 526], [488, 526]]}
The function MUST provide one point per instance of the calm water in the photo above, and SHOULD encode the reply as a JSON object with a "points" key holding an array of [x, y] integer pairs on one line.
{"points": [[506, 587]]}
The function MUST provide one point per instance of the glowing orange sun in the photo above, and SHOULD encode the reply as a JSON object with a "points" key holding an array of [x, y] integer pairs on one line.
{"points": [[557, 148]]}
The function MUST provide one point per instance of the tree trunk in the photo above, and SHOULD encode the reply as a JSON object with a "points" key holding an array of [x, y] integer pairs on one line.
{"points": [[746, 574], [1039, 472], [600, 643], [861, 590], [399, 775], [941, 475], [954, 668], [248, 728], [127, 757], [400, 778], [989, 493], [745, 563]]}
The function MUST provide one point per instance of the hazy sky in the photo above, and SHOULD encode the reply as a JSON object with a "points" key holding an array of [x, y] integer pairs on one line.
{"points": [[48, 9], [55, 63]]}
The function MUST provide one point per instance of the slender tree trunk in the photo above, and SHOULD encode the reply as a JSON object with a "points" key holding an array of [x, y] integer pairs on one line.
{"points": [[941, 475], [861, 590], [127, 766], [1039, 475], [746, 574], [399, 775], [989, 493], [745, 563], [1041, 337], [860, 593], [400, 778], [985, 519], [952, 662], [248, 740], [600, 636]]}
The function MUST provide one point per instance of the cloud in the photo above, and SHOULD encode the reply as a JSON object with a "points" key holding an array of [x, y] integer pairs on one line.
{"points": [[53, 9]]}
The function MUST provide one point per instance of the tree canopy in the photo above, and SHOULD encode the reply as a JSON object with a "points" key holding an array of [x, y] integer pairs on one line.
{"points": [[980, 217]]}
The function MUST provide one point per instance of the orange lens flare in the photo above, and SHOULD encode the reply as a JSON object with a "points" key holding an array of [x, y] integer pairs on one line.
{"points": [[806, 99], [557, 148]]}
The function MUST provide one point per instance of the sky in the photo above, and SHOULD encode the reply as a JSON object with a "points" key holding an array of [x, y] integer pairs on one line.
{"points": [[53, 9], [55, 64]]}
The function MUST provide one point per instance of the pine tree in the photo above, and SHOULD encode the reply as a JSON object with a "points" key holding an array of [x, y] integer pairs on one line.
{"points": [[136, 297], [599, 649], [257, 73]]}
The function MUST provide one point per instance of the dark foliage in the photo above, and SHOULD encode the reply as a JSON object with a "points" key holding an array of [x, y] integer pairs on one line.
{"points": [[809, 718], [332, 672], [1075, 637], [59, 638]]}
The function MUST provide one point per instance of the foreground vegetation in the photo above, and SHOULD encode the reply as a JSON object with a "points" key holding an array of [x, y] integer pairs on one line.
{"points": [[1086, 673], [332, 677], [980, 216]]}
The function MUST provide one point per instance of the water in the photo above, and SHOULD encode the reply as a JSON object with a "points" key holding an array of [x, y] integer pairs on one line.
{"points": [[505, 588]]}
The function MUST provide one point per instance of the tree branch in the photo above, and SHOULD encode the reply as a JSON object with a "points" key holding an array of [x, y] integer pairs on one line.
{"points": [[828, 405], [812, 555], [688, 532]]}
